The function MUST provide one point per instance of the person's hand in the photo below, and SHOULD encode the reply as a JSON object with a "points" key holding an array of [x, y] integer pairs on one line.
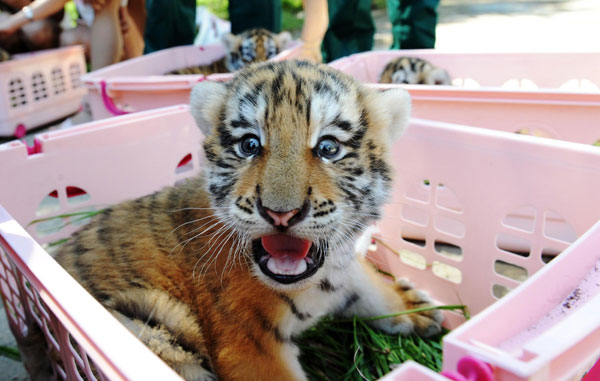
{"points": [[311, 51]]}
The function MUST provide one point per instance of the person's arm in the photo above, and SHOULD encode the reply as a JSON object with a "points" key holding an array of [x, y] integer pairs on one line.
{"points": [[316, 21], [37, 10]]}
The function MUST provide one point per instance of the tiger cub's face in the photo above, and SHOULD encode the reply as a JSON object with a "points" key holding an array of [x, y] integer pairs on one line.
{"points": [[252, 46], [297, 163]]}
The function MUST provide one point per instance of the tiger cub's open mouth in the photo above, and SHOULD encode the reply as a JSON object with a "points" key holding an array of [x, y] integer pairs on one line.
{"points": [[285, 258]]}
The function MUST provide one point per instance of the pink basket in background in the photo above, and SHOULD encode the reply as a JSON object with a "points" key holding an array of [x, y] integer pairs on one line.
{"points": [[555, 95], [467, 204], [39, 88], [140, 84]]}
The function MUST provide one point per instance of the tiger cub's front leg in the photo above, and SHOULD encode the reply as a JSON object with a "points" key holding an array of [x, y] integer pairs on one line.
{"points": [[373, 296]]}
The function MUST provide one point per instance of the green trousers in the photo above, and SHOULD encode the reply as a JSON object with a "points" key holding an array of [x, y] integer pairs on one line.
{"points": [[351, 27], [169, 23], [246, 14]]}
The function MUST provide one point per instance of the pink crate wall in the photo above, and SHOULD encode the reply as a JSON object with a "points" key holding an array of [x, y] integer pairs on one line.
{"points": [[40, 87], [490, 194], [564, 106], [498, 175], [140, 84], [553, 337]]}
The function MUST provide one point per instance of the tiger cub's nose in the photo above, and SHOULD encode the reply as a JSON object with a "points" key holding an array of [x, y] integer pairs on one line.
{"points": [[283, 220]]}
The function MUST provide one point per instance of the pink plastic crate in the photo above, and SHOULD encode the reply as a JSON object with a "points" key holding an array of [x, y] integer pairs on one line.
{"points": [[139, 84], [482, 195], [40, 87], [555, 95]]}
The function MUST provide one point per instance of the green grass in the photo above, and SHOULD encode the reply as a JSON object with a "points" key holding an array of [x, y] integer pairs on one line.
{"points": [[290, 21], [10, 352], [351, 350]]}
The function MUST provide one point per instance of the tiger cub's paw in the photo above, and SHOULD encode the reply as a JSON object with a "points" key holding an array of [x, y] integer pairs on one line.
{"points": [[425, 323]]}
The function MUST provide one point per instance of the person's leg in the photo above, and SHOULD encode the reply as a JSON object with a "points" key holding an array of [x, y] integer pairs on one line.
{"points": [[169, 23], [246, 14], [413, 23], [80, 35], [106, 40], [351, 28], [131, 21]]}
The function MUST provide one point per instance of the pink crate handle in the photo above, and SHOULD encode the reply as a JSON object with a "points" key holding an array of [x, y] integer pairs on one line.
{"points": [[471, 369], [108, 102], [594, 373]]}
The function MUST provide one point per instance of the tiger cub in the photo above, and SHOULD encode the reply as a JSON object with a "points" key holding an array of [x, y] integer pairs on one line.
{"points": [[413, 71], [251, 46], [220, 274]]}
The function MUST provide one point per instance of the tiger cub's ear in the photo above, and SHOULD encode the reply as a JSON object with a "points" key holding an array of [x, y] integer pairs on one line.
{"points": [[205, 99], [282, 39], [394, 106]]}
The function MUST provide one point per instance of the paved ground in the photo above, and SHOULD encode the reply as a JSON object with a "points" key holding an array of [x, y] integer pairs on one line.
{"points": [[475, 25]]}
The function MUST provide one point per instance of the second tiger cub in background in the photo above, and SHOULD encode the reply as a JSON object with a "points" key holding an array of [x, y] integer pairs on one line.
{"points": [[413, 71], [251, 46]]}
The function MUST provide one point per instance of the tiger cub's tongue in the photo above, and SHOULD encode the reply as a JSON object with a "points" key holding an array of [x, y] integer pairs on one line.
{"points": [[286, 247]]}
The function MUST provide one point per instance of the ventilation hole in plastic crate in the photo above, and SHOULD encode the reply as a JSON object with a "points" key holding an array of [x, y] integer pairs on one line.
{"points": [[556, 227], [49, 204], [419, 191], [413, 259], [34, 311], [415, 241], [447, 272], [186, 164], [43, 310], [522, 218], [11, 313], [513, 245], [76, 195], [521, 84], [2, 270], [12, 282], [75, 75], [415, 215], [549, 254], [61, 371], [579, 85], [499, 290], [534, 131], [449, 226], [16, 93], [448, 250], [38, 83], [26, 286], [4, 288], [75, 351], [468, 83], [50, 335], [510, 270], [445, 198], [58, 81]]}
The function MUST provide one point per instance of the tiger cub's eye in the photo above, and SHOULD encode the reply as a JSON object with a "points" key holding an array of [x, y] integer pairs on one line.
{"points": [[249, 145], [328, 148]]}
